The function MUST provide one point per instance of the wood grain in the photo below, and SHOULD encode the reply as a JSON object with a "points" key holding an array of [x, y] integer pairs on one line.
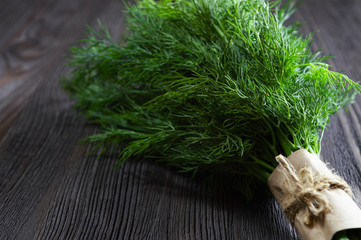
{"points": [[52, 188]]}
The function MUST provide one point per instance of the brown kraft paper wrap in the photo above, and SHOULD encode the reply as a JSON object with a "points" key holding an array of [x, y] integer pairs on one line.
{"points": [[337, 209]]}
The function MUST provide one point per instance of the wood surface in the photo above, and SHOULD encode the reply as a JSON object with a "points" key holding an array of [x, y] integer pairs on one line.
{"points": [[52, 188]]}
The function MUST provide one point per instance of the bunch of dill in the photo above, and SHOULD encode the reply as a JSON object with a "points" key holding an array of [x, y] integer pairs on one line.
{"points": [[213, 86]]}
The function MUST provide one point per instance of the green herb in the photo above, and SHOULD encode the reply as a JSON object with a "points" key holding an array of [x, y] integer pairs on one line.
{"points": [[218, 87], [208, 86]]}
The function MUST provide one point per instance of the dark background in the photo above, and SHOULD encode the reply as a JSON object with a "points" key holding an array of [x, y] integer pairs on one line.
{"points": [[51, 188]]}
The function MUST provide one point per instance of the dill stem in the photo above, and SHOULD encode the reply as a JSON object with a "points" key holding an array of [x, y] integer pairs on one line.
{"points": [[287, 146], [259, 161], [348, 234]]}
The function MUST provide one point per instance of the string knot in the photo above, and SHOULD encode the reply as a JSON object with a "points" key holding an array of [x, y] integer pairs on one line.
{"points": [[307, 193]]}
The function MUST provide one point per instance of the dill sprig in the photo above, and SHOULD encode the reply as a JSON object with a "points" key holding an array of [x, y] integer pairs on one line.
{"points": [[208, 86]]}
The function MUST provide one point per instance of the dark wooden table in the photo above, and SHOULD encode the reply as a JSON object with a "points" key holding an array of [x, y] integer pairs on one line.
{"points": [[51, 188]]}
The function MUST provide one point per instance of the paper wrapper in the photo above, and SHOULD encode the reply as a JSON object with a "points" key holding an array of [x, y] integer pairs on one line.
{"points": [[345, 214]]}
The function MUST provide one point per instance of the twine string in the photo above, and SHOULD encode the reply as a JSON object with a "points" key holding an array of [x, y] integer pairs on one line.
{"points": [[307, 193]]}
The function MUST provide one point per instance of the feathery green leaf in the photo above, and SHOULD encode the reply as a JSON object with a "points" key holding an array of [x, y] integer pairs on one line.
{"points": [[212, 86]]}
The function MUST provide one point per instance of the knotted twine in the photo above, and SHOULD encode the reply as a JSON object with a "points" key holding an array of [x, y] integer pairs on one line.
{"points": [[307, 192]]}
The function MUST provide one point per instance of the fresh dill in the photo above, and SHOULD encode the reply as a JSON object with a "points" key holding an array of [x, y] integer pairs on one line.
{"points": [[207, 86]]}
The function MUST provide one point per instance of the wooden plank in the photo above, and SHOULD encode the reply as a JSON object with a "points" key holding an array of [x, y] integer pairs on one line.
{"points": [[51, 188], [32, 159]]}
